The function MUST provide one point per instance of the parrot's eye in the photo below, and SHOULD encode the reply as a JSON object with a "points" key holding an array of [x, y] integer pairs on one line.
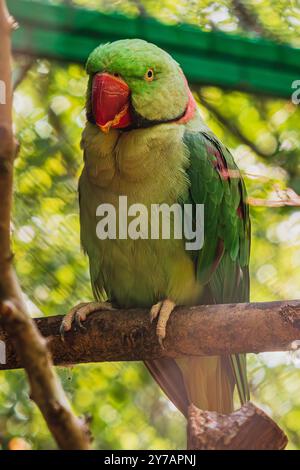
{"points": [[116, 74], [149, 75]]}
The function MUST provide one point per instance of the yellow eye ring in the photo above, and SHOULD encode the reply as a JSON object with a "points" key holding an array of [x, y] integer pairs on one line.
{"points": [[149, 75]]}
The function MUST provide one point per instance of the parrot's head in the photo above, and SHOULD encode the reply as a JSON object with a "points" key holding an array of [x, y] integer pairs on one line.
{"points": [[134, 84]]}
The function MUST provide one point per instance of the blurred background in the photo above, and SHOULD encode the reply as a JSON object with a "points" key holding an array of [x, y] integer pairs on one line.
{"points": [[126, 407]]}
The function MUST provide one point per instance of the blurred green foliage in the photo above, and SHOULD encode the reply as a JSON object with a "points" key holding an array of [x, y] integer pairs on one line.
{"points": [[126, 407]]}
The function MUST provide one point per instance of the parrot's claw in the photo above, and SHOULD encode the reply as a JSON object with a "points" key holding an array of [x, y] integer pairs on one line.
{"points": [[161, 342], [162, 310], [78, 314], [62, 332], [78, 321]]}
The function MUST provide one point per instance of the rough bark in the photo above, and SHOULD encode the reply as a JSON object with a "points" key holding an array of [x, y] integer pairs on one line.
{"points": [[69, 432], [127, 335], [248, 428]]}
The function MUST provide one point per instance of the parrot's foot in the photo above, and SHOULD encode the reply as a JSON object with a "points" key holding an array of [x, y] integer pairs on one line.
{"points": [[162, 310], [78, 314]]}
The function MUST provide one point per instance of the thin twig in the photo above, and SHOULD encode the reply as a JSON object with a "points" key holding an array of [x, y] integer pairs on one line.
{"points": [[250, 21], [69, 431], [233, 128]]}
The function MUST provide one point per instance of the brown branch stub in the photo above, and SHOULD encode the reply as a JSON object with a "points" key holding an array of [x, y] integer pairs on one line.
{"points": [[248, 428], [128, 335], [69, 431]]}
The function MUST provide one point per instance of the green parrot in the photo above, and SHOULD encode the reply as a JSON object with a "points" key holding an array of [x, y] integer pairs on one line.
{"points": [[145, 139]]}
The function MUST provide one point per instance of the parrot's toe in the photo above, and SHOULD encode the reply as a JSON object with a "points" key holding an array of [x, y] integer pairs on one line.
{"points": [[67, 322], [155, 309], [162, 310], [62, 331], [78, 314]]}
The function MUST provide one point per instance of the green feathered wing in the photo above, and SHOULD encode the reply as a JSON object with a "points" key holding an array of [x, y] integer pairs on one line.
{"points": [[222, 264]]}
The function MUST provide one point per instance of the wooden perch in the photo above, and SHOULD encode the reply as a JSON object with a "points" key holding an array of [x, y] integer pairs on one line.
{"points": [[69, 431], [248, 428], [127, 335]]}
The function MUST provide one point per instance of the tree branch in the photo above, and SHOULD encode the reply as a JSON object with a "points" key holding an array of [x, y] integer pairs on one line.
{"points": [[127, 335], [68, 431]]}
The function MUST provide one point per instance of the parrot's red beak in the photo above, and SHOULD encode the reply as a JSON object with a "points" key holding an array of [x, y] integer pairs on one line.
{"points": [[110, 102]]}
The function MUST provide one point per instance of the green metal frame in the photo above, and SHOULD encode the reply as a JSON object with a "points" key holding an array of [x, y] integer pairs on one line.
{"points": [[69, 34]]}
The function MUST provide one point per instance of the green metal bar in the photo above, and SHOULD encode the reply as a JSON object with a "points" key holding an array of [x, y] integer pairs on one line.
{"points": [[69, 34]]}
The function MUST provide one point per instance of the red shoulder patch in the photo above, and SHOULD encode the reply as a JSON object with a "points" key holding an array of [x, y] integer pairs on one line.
{"points": [[219, 163]]}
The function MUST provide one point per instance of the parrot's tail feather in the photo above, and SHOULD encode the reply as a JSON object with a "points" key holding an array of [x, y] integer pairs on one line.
{"points": [[207, 382], [239, 366], [168, 376]]}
